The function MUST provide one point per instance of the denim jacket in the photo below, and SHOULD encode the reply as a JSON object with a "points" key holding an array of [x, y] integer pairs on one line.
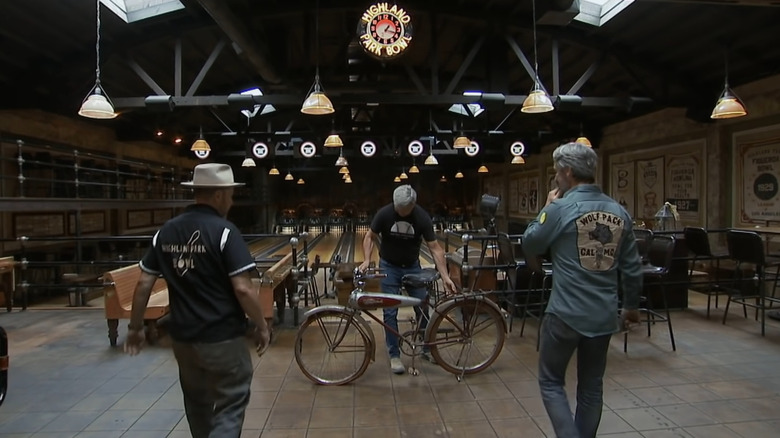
{"points": [[591, 241]]}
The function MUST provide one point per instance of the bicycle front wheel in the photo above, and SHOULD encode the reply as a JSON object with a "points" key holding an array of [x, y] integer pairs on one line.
{"points": [[466, 336], [331, 349]]}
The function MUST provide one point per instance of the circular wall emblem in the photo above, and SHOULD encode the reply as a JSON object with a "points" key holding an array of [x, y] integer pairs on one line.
{"points": [[765, 186], [385, 30], [415, 148], [472, 149], [368, 148], [517, 148], [260, 150], [308, 149], [202, 154]]}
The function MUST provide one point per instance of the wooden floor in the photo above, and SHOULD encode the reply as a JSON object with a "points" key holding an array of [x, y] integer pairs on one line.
{"points": [[723, 381]]}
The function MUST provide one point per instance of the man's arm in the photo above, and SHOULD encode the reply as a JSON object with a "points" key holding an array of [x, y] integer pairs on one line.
{"points": [[135, 330], [630, 268], [542, 231], [368, 248], [249, 299], [441, 265]]}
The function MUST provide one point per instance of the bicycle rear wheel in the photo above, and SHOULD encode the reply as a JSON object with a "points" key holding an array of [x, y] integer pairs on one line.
{"points": [[466, 336], [331, 349]]}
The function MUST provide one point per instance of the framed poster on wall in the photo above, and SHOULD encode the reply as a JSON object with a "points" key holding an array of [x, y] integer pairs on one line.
{"points": [[523, 195], [514, 196], [649, 187], [623, 177], [756, 179], [683, 185], [533, 193]]}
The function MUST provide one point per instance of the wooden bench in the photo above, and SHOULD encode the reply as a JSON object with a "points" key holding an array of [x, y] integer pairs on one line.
{"points": [[119, 286]]}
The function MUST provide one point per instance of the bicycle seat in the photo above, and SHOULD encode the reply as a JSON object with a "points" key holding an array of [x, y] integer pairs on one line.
{"points": [[424, 279]]}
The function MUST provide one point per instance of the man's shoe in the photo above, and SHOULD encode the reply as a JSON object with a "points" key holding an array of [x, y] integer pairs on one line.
{"points": [[396, 366], [426, 355]]}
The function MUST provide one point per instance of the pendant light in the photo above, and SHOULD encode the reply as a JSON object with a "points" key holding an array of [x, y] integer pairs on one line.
{"points": [[248, 162], [97, 104], [414, 169], [344, 170], [431, 159], [333, 140], [289, 176], [443, 179], [348, 180], [273, 171], [459, 175], [537, 101], [403, 174], [483, 169], [461, 142], [518, 160], [200, 144], [317, 103], [397, 179], [582, 139], [341, 161], [728, 106], [301, 181]]}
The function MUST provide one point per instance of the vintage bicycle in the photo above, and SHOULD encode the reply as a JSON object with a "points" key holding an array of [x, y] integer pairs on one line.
{"points": [[335, 344]]}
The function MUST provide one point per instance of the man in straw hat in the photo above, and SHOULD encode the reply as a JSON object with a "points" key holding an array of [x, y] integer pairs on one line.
{"points": [[208, 268]]}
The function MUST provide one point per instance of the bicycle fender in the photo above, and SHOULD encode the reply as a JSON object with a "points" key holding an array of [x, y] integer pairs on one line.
{"points": [[362, 325], [445, 306]]}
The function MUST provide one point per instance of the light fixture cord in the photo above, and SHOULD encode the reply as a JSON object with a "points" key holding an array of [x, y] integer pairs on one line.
{"points": [[97, 46], [317, 45], [536, 63], [726, 63]]}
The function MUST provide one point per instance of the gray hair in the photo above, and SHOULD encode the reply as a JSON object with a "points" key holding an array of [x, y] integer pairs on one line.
{"points": [[404, 196], [579, 158]]}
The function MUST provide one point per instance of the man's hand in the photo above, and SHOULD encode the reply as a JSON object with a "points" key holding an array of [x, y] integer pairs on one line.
{"points": [[262, 338], [449, 286], [552, 196], [628, 317], [134, 341], [363, 266]]}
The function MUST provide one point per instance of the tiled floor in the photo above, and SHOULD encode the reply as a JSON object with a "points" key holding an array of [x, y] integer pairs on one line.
{"points": [[723, 381]]}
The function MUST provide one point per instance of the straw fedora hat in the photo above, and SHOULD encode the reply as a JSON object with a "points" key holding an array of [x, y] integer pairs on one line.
{"points": [[212, 175]]}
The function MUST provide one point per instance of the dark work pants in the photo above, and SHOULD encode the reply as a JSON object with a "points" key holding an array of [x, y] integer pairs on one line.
{"points": [[558, 342], [215, 380]]}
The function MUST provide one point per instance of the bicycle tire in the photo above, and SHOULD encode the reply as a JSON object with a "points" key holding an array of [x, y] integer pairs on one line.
{"points": [[466, 336], [331, 348]]}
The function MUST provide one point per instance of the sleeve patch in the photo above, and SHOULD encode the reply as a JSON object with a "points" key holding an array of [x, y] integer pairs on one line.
{"points": [[543, 217]]}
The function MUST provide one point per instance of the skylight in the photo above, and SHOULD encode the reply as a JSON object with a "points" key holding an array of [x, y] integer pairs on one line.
{"points": [[136, 10], [265, 108], [598, 12]]}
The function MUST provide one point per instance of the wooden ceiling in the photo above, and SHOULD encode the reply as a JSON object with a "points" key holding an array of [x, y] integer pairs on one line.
{"points": [[654, 54]]}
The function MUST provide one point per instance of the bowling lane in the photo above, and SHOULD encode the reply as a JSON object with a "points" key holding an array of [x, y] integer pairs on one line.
{"points": [[260, 246]]}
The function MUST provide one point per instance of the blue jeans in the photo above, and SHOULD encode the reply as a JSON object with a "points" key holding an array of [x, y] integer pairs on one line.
{"points": [[558, 342], [215, 380], [392, 285]]}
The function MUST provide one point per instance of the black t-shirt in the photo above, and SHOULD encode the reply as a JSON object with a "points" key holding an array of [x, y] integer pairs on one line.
{"points": [[197, 252], [402, 236]]}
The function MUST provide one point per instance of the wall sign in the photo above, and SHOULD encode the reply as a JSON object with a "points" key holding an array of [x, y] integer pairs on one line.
{"points": [[368, 148], [472, 149], [385, 30], [308, 149], [415, 148], [260, 150], [202, 155]]}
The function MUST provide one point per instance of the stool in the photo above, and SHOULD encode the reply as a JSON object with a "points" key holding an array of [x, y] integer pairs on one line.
{"points": [[747, 247], [698, 243]]}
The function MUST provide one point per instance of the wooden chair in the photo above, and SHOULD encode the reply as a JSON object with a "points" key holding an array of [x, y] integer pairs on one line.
{"points": [[698, 242]]}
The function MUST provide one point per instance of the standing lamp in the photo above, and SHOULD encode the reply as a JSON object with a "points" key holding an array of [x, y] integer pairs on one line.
{"points": [[97, 104]]}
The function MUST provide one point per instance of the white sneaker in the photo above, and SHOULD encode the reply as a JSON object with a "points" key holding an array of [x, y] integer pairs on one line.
{"points": [[396, 366]]}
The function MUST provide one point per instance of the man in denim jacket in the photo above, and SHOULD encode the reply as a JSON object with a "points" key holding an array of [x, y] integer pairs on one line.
{"points": [[591, 241]]}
